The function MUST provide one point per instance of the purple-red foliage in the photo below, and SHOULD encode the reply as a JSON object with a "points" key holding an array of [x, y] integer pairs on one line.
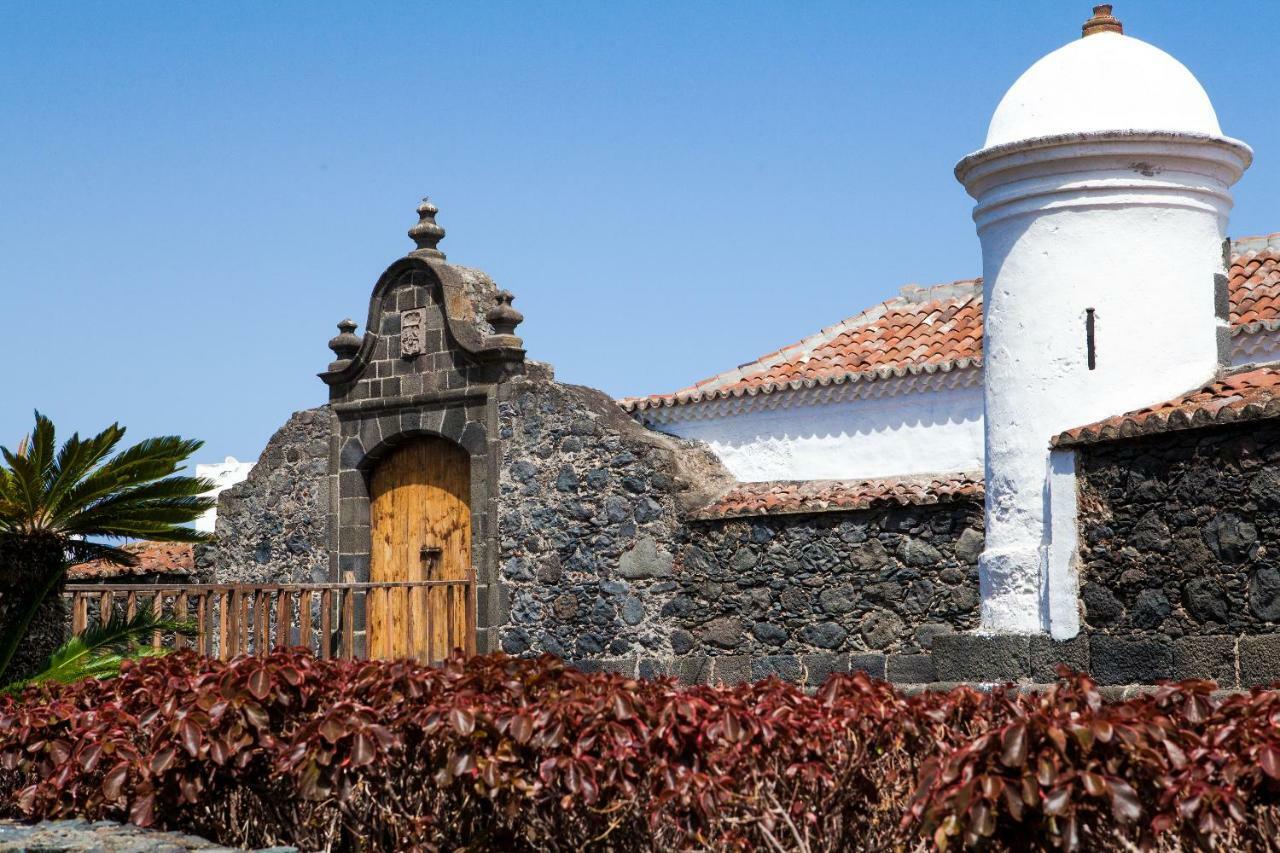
{"points": [[496, 753]]}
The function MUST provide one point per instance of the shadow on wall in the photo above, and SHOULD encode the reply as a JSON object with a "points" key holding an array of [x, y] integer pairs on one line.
{"points": [[929, 432]]}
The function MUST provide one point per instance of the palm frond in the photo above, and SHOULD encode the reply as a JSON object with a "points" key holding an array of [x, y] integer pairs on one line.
{"points": [[145, 462], [26, 481], [98, 651], [76, 460], [41, 450], [150, 509]]}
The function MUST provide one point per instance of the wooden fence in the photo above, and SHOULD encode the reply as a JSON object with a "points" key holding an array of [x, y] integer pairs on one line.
{"points": [[330, 619]]}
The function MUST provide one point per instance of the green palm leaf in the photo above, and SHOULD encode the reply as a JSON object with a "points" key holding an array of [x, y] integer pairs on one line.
{"points": [[98, 651], [78, 502]]}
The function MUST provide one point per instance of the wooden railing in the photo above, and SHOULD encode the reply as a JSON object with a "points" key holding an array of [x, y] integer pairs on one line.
{"points": [[425, 620]]}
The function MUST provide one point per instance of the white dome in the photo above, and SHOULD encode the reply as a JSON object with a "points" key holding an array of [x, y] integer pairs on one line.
{"points": [[1104, 81]]}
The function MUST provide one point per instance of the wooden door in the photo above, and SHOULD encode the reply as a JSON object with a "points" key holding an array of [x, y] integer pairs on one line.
{"points": [[420, 515]]}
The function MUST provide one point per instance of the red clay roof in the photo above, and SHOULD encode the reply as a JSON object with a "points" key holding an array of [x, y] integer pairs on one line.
{"points": [[1255, 289], [1250, 395], [154, 558], [925, 330], [807, 496]]}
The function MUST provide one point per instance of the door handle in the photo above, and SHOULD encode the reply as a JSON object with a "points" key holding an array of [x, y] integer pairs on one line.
{"points": [[430, 557]]}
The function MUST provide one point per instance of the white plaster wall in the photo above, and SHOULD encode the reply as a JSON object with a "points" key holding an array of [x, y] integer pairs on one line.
{"points": [[224, 475], [928, 431], [1061, 610]]}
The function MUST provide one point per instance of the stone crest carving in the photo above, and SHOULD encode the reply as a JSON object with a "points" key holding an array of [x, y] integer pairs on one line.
{"points": [[413, 333]]}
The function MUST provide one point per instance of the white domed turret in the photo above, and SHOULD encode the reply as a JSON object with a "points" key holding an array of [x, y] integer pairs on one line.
{"points": [[1102, 201], [1106, 81]]}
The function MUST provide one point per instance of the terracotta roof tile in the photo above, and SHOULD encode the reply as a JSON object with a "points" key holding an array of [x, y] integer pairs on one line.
{"points": [[938, 329], [154, 558], [1249, 395], [808, 496], [1255, 289]]}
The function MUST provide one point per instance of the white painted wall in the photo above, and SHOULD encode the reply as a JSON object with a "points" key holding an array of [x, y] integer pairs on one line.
{"points": [[224, 475], [921, 432], [1061, 554]]}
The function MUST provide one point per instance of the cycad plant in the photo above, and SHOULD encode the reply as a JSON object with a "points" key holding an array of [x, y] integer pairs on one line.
{"points": [[64, 505], [98, 651]]}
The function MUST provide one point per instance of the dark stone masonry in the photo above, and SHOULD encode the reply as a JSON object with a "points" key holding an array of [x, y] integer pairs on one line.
{"points": [[590, 513], [1180, 532], [273, 527], [1180, 554], [815, 593]]}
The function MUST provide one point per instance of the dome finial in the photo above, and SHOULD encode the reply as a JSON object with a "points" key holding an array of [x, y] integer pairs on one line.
{"points": [[427, 234], [1102, 22]]}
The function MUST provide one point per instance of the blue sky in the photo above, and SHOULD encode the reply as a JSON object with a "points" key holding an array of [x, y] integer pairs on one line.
{"points": [[194, 193]]}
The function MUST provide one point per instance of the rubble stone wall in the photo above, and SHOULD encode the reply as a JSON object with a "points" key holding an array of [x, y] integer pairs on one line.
{"points": [[272, 528], [800, 596], [1180, 554], [590, 509]]}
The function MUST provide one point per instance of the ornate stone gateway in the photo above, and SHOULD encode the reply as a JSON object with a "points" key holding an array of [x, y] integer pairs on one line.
{"points": [[420, 513], [414, 452]]}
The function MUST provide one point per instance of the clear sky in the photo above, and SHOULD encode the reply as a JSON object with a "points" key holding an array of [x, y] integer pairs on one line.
{"points": [[192, 194]]}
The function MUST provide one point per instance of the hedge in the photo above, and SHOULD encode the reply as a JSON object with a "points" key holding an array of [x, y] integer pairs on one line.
{"points": [[498, 753]]}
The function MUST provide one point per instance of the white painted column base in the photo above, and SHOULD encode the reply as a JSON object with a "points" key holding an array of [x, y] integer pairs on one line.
{"points": [[1010, 594]]}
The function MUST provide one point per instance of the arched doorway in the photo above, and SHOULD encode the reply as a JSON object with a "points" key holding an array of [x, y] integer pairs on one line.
{"points": [[420, 515]]}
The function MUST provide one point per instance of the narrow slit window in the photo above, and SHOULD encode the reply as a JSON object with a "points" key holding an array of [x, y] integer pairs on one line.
{"points": [[1089, 338]]}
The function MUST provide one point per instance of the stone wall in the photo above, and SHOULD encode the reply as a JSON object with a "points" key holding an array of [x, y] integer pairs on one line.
{"points": [[590, 509], [273, 526], [1180, 554], [598, 562], [800, 596]]}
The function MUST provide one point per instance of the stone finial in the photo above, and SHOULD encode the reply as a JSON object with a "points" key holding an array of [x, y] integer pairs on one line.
{"points": [[1102, 22], [502, 316], [427, 234], [347, 342]]}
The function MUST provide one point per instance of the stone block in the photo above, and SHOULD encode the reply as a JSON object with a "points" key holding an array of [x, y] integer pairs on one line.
{"points": [[370, 433], [352, 453], [654, 667], [732, 669], [1047, 653], [819, 667], [976, 657], [645, 560], [693, 669], [785, 667], [1259, 660], [910, 669], [723, 631], [1213, 658], [619, 666], [872, 664], [1130, 660]]}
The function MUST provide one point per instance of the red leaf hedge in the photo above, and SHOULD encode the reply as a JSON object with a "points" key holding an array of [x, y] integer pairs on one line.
{"points": [[496, 753]]}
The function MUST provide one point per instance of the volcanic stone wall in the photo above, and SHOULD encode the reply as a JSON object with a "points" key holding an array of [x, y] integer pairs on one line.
{"points": [[598, 562], [272, 528], [801, 596], [590, 509], [1180, 555]]}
